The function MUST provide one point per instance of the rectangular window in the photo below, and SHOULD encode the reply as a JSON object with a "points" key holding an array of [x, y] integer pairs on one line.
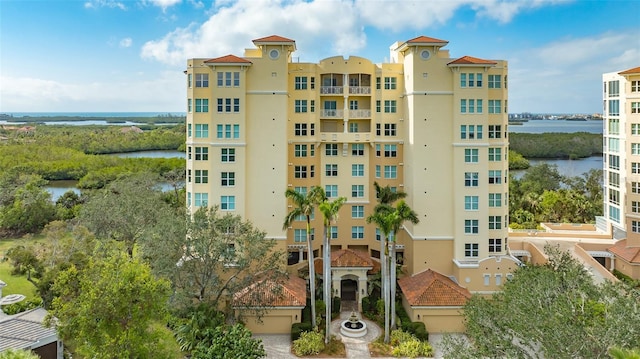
{"points": [[471, 179], [614, 179], [390, 172], [635, 207], [463, 79], [227, 79], [189, 130], [378, 151], [635, 187], [495, 154], [236, 79], [228, 179], [614, 108], [357, 232], [220, 105], [301, 190], [470, 203], [189, 105], [495, 176], [390, 83], [471, 250], [495, 199], [201, 199], [479, 107], [300, 129], [190, 80], [202, 105], [495, 131], [614, 196], [202, 153], [202, 131], [635, 86], [635, 167], [331, 190], [300, 151], [202, 80], [478, 80], [189, 176], [236, 105], [331, 170], [614, 88], [463, 105], [495, 245], [300, 82], [635, 129], [471, 226], [635, 226], [614, 126], [300, 172], [494, 81], [378, 106], [472, 104], [471, 155], [614, 214], [357, 211], [333, 232], [614, 162], [390, 106], [228, 155], [378, 83], [635, 107], [300, 106], [471, 82], [357, 149], [228, 203], [495, 222], [300, 235], [353, 127], [635, 148], [389, 129], [378, 171], [495, 106], [201, 176], [614, 145], [312, 106], [357, 191], [390, 150], [331, 149], [357, 170], [227, 105]]}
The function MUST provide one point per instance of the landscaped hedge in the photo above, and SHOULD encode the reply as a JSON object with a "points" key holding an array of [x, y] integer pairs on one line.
{"points": [[298, 328]]}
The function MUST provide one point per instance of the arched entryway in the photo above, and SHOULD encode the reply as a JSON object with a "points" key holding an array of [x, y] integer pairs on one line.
{"points": [[348, 288]]}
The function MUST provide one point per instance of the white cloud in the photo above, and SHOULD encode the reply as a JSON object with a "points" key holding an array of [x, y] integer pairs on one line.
{"points": [[95, 4], [164, 4], [126, 42]]}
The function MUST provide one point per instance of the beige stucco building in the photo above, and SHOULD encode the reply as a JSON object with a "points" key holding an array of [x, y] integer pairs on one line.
{"points": [[431, 125]]}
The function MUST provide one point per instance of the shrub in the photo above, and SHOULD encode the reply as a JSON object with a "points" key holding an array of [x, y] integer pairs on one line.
{"points": [[419, 330], [409, 348], [399, 336], [320, 308], [299, 328], [403, 316], [366, 306], [309, 343], [336, 304], [306, 312]]}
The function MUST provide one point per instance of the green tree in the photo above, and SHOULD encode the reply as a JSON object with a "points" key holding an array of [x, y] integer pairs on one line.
{"points": [[384, 222], [550, 311], [25, 206], [18, 354], [109, 309], [329, 210], [229, 342], [303, 205]]}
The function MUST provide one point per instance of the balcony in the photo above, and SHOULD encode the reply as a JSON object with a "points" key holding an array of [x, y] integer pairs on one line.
{"points": [[324, 113], [364, 113], [360, 90], [342, 137], [331, 90]]}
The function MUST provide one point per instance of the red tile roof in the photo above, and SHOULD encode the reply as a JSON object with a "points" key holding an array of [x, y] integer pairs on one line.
{"points": [[635, 70], [629, 254], [349, 258], [430, 288], [427, 40], [270, 293], [273, 38], [228, 59], [469, 60]]}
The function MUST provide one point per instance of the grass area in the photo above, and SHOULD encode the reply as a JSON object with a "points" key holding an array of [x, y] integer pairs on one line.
{"points": [[15, 284]]}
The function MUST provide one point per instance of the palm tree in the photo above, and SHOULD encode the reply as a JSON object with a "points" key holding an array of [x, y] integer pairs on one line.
{"points": [[303, 206], [329, 211], [384, 221]]}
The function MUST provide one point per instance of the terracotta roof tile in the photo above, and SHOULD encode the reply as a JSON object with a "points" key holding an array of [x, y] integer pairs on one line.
{"points": [[629, 254], [273, 38], [349, 258], [290, 293], [430, 288], [635, 70], [469, 60], [425, 39], [228, 59]]}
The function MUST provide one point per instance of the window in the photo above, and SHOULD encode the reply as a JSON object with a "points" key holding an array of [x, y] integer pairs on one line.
{"points": [[390, 150], [357, 170], [378, 106], [614, 108], [300, 172], [635, 107], [228, 131], [189, 105], [353, 127], [377, 83], [495, 106], [635, 226], [357, 190], [228, 179], [202, 80], [470, 203], [333, 232], [236, 105], [635, 187], [389, 129], [228, 155], [189, 130], [300, 151], [635, 86], [495, 131], [614, 126], [202, 176], [614, 179], [614, 196], [331, 190], [495, 154], [331, 149], [495, 177], [463, 79], [471, 132], [471, 250], [299, 235], [201, 199], [357, 149], [202, 131], [357, 211], [300, 83], [471, 155], [390, 172], [300, 190], [635, 129], [202, 105], [635, 207], [471, 179], [495, 222], [189, 80], [226, 79], [225, 105], [471, 226], [331, 170], [300, 106], [202, 153], [228, 203], [614, 88], [635, 148], [389, 83], [189, 176], [495, 245], [495, 199], [378, 151], [614, 214], [300, 129], [378, 234], [494, 81], [390, 106], [614, 162], [378, 171], [357, 232], [635, 167], [463, 105]]}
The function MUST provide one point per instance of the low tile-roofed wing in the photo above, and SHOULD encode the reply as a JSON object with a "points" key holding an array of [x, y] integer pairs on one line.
{"points": [[268, 292], [430, 288], [470, 60], [630, 254], [227, 59]]}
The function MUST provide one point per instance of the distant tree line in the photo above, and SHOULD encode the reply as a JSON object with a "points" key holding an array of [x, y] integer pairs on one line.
{"points": [[556, 145]]}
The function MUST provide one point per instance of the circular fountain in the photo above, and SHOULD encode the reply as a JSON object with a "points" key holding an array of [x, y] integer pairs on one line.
{"points": [[353, 327]]}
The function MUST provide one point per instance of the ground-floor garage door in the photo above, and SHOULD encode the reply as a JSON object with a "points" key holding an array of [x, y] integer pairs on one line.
{"points": [[270, 325]]}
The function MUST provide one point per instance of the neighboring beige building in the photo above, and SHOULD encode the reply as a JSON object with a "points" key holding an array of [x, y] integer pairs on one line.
{"points": [[431, 125], [621, 101]]}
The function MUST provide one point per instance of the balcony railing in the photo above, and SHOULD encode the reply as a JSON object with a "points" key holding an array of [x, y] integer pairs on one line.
{"points": [[331, 90], [331, 113], [360, 90], [345, 137], [364, 113]]}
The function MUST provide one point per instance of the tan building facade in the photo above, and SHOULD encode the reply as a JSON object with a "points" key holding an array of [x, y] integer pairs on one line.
{"points": [[431, 125]]}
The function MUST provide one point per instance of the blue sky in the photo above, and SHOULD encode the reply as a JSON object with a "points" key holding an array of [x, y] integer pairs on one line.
{"points": [[126, 55]]}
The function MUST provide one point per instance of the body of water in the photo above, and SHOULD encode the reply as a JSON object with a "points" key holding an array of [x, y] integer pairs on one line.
{"points": [[542, 126], [92, 114]]}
